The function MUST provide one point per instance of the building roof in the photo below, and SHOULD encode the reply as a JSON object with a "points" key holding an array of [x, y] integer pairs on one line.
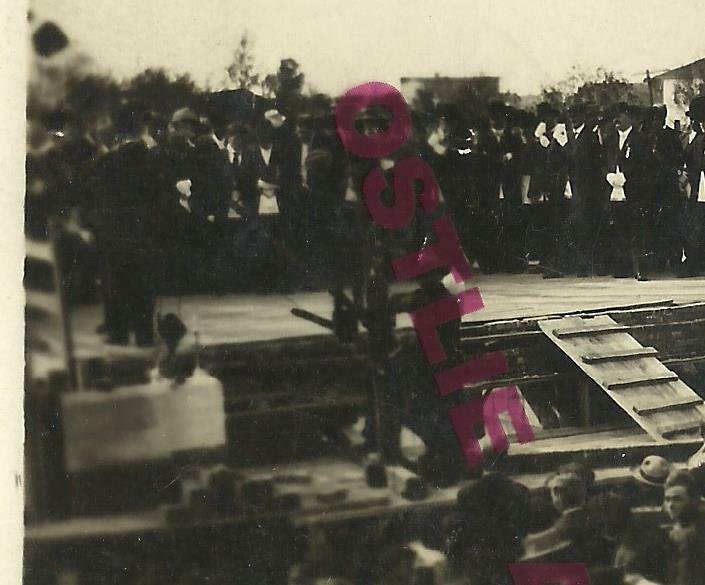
{"points": [[445, 78], [696, 69]]}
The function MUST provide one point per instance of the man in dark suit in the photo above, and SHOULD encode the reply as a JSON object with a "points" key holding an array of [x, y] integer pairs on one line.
{"points": [[129, 194], [695, 189], [586, 205], [558, 206], [667, 159], [320, 193], [536, 184], [263, 163], [511, 147], [268, 178], [627, 174]]}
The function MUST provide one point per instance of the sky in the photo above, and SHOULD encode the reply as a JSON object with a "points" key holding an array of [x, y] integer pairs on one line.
{"points": [[528, 44]]}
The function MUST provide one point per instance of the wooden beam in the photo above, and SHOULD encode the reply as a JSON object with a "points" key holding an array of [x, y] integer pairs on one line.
{"points": [[622, 354], [668, 407], [588, 330], [680, 428], [666, 378]]}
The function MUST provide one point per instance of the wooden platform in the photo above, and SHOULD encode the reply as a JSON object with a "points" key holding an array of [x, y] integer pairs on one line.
{"points": [[235, 319]]}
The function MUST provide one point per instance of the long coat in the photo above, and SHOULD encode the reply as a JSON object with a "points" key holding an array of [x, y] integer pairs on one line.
{"points": [[695, 163], [632, 160]]}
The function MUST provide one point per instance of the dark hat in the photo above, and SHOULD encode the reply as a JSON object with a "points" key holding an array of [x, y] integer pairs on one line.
{"points": [[546, 110], [49, 39], [620, 108], [497, 109], [607, 114], [127, 120], [577, 109], [634, 112], [655, 113], [56, 120], [696, 111], [514, 116], [527, 119]]}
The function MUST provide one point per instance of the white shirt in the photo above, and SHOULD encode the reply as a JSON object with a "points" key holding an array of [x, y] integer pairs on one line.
{"points": [[230, 151], [219, 143], [304, 171], [692, 136], [623, 136], [266, 154], [578, 130]]}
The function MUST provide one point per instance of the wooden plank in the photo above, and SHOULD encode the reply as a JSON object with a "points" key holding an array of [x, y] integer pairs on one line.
{"points": [[589, 330], [529, 336], [680, 428], [643, 381], [643, 387], [576, 313], [667, 407], [333, 404], [622, 354]]}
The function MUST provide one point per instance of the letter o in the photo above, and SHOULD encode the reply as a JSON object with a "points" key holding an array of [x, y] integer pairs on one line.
{"points": [[364, 96]]}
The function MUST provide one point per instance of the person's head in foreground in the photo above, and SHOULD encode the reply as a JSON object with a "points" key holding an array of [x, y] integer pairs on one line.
{"points": [[681, 497], [567, 491]]}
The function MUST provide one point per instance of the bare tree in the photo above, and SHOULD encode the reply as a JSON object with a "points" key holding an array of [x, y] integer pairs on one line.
{"points": [[242, 70]]}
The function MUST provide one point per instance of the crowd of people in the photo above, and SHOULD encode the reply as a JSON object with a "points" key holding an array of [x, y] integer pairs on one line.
{"points": [[582, 191], [218, 200], [646, 529]]}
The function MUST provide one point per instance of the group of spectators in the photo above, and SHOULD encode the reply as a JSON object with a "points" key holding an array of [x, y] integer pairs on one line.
{"points": [[645, 529], [269, 200], [575, 520], [583, 191]]}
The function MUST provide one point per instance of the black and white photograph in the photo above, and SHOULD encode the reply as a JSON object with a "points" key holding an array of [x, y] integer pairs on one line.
{"points": [[363, 293]]}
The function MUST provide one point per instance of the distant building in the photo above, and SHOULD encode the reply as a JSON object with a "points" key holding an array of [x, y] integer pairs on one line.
{"points": [[675, 89], [448, 90]]}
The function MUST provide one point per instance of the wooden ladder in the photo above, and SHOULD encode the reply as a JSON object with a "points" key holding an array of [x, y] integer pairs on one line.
{"points": [[632, 375]]}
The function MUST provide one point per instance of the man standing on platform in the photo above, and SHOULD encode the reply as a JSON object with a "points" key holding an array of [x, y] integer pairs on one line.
{"points": [[511, 147], [627, 161], [125, 181], [667, 153], [536, 185], [583, 183], [695, 189]]}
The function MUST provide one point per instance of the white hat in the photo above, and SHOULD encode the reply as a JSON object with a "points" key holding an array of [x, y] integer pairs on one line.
{"points": [[275, 118]]}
